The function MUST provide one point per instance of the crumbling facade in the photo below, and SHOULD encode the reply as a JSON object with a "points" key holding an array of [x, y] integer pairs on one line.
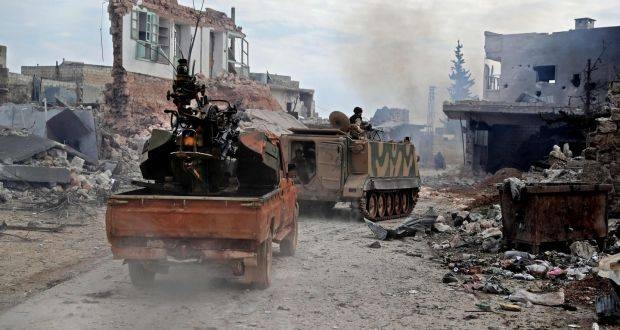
{"points": [[602, 157], [530, 78], [290, 96], [157, 33], [148, 37], [550, 67]]}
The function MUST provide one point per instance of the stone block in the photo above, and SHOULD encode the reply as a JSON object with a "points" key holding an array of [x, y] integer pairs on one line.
{"points": [[606, 125], [602, 141]]}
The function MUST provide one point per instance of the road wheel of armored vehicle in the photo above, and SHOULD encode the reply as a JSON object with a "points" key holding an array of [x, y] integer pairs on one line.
{"points": [[260, 275], [404, 202], [371, 206], [397, 204], [414, 200], [380, 205], [389, 204], [288, 245], [140, 275]]}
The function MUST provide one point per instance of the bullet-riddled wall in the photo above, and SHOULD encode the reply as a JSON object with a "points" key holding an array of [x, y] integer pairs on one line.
{"points": [[549, 66]]}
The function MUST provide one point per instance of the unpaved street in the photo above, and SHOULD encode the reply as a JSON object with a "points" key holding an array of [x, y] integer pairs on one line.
{"points": [[334, 281]]}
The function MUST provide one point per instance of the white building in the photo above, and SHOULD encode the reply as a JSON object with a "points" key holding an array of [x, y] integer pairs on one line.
{"points": [[157, 33]]}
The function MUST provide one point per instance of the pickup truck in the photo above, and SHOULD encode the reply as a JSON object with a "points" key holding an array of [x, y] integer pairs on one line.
{"points": [[153, 231]]}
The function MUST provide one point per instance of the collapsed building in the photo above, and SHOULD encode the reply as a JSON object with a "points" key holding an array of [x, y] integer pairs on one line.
{"points": [[149, 37], [297, 101], [66, 84], [529, 78]]}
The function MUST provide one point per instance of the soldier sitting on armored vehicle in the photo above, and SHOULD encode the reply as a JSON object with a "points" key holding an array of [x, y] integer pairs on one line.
{"points": [[358, 126]]}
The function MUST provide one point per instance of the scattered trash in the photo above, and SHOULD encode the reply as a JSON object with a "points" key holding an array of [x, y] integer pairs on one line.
{"points": [[510, 307], [449, 278], [608, 308], [518, 254], [494, 287], [545, 299], [526, 277], [582, 249], [484, 306], [408, 228]]}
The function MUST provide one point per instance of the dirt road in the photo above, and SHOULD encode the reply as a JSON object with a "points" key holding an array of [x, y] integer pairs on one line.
{"points": [[334, 281]]}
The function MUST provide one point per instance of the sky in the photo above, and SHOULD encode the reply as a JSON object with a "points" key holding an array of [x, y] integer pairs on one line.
{"points": [[367, 53]]}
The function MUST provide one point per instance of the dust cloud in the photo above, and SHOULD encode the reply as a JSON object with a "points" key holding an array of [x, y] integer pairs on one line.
{"points": [[399, 51]]}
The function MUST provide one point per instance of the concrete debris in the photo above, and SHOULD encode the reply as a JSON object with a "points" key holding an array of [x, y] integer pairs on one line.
{"points": [[442, 227], [583, 249], [515, 185], [77, 164], [34, 174], [609, 267], [37, 166]]}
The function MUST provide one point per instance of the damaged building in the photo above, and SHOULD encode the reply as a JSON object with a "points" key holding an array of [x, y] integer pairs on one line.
{"points": [[66, 84], [149, 36], [529, 78], [295, 100]]}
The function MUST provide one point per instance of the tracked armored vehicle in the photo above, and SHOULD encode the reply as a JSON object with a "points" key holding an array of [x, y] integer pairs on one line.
{"points": [[379, 178]]}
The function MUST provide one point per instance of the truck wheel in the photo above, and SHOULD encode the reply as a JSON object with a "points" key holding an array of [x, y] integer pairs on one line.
{"points": [[261, 274], [140, 276], [288, 245]]}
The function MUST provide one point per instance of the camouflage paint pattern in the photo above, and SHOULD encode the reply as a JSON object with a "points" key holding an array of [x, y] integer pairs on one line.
{"points": [[389, 159]]}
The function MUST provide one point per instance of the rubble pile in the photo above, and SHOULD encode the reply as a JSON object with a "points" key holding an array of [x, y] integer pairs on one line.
{"points": [[239, 90], [52, 174], [470, 245]]}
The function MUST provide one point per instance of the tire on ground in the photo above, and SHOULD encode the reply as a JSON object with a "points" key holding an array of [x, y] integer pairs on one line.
{"points": [[140, 275], [260, 275], [288, 245]]}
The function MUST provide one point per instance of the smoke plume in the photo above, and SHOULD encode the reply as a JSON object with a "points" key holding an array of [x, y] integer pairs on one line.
{"points": [[398, 52]]}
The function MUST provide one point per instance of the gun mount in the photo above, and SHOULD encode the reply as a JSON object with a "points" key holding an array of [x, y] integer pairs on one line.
{"points": [[197, 155]]}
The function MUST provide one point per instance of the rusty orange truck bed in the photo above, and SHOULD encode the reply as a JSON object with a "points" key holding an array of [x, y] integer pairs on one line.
{"points": [[150, 232]]}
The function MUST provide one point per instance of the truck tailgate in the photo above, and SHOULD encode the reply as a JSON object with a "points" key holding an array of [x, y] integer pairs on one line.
{"points": [[184, 217]]}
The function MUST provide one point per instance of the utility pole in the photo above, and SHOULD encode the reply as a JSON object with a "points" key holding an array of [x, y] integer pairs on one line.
{"points": [[430, 125], [588, 87], [430, 115]]}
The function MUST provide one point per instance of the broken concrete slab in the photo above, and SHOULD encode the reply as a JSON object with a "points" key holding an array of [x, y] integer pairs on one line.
{"points": [[34, 174], [15, 148], [277, 122]]}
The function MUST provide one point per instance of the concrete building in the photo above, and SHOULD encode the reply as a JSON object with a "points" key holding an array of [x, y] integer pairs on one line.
{"points": [[89, 81], [290, 96], [529, 77], [156, 33]]}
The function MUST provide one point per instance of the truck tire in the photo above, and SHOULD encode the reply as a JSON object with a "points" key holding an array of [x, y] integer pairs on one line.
{"points": [[288, 245], [140, 276], [261, 274]]}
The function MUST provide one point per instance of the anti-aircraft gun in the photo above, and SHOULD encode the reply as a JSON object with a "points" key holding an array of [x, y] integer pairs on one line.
{"points": [[195, 156]]}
